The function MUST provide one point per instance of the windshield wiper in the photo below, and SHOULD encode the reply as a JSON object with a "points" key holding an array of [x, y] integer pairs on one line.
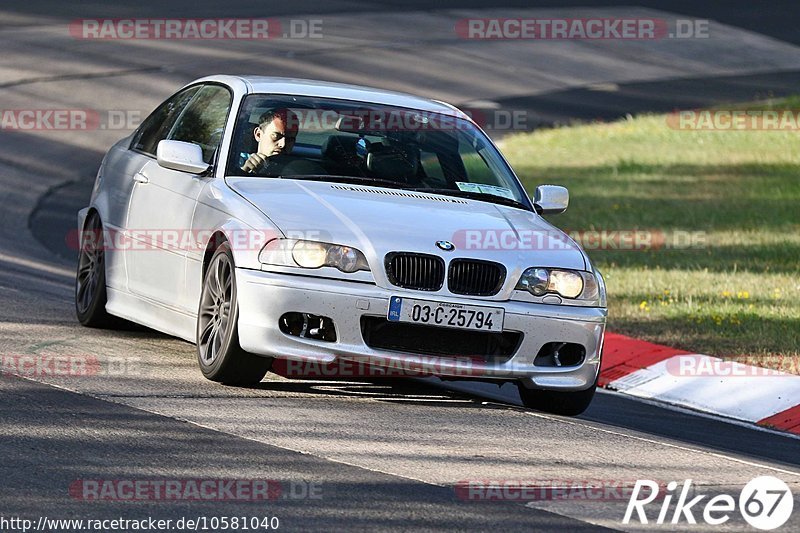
{"points": [[376, 182], [473, 195]]}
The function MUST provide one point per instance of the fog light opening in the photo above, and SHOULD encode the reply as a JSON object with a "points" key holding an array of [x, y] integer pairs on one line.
{"points": [[560, 354], [556, 354], [308, 326]]}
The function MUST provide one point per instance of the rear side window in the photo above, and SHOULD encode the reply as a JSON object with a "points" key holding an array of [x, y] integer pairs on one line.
{"points": [[156, 127], [203, 120]]}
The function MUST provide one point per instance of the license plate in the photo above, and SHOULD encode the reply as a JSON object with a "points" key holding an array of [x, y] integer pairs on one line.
{"points": [[449, 315]]}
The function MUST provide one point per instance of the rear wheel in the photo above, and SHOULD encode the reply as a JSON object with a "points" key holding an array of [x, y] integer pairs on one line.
{"points": [[564, 403], [90, 280], [218, 351]]}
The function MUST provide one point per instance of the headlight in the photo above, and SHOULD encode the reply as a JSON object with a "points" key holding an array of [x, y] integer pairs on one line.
{"points": [[346, 259], [311, 254], [535, 280], [570, 284], [567, 284]]}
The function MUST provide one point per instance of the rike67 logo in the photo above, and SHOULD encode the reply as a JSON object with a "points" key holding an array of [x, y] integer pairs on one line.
{"points": [[765, 503]]}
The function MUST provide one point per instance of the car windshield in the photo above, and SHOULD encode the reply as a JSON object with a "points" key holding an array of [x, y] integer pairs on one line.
{"points": [[368, 144]]}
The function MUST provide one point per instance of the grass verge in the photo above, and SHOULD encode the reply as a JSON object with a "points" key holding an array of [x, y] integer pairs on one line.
{"points": [[732, 196]]}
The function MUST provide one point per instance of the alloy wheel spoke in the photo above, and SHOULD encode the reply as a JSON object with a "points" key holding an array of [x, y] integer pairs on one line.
{"points": [[208, 311], [217, 343], [85, 270], [220, 290], [82, 299], [206, 340]]}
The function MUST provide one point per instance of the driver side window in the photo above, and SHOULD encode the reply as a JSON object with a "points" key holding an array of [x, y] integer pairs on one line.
{"points": [[156, 127], [203, 120]]}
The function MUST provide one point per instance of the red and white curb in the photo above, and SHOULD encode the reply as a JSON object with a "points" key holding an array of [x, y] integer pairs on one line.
{"points": [[703, 383]]}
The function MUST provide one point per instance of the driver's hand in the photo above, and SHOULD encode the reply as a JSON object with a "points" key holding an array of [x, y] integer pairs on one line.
{"points": [[254, 162]]}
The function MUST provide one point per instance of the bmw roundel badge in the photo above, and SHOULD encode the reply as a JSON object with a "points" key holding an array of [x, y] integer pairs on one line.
{"points": [[446, 246]]}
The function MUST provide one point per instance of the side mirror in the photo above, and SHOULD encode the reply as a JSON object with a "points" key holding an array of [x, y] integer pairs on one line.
{"points": [[181, 156], [551, 199]]}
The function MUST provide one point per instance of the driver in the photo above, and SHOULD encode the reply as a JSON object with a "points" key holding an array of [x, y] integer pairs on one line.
{"points": [[275, 134]]}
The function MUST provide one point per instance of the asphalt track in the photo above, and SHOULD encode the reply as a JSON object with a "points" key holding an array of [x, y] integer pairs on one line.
{"points": [[385, 454]]}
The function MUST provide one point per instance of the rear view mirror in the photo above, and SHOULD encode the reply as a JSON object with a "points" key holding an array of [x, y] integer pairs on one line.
{"points": [[181, 156], [551, 199]]}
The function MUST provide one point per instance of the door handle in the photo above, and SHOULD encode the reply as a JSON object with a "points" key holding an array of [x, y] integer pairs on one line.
{"points": [[140, 178]]}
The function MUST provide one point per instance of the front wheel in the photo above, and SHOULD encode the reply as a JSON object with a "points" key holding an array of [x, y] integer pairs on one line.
{"points": [[218, 351], [563, 403], [90, 280]]}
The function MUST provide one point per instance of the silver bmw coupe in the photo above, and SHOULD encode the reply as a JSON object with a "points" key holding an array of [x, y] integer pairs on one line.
{"points": [[274, 219]]}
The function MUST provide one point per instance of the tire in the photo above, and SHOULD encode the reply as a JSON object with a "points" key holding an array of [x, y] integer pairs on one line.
{"points": [[557, 402], [90, 278], [219, 354]]}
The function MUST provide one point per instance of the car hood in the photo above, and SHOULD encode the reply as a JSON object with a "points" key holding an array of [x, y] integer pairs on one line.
{"points": [[379, 220]]}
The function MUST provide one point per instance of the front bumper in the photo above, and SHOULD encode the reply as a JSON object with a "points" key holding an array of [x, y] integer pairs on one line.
{"points": [[265, 296]]}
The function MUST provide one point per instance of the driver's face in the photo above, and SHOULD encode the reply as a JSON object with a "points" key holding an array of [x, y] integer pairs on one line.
{"points": [[274, 138]]}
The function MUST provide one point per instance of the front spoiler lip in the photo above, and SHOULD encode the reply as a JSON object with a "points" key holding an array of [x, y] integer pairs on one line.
{"points": [[422, 366]]}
